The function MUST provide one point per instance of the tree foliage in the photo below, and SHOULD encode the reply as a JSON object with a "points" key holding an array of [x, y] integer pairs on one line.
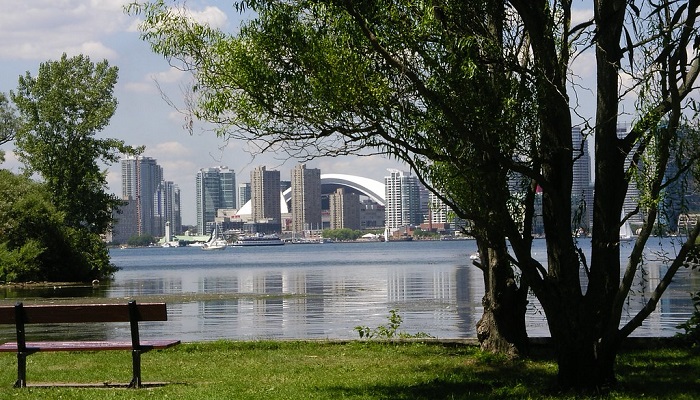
{"points": [[8, 122], [141, 240], [343, 234], [479, 98], [35, 242], [62, 108]]}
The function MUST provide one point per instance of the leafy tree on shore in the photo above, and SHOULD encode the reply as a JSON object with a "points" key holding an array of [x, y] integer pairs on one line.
{"points": [[141, 240], [35, 242], [61, 109], [341, 234], [475, 96]]}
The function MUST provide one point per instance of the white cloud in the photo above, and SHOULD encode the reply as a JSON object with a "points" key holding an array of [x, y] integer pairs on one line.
{"points": [[141, 87], [171, 75], [44, 29], [579, 16], [212, 16], [168, 150], [11, 162]]}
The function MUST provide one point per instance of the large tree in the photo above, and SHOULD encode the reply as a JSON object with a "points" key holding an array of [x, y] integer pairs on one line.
{"points": [[35, 242], [62, 109], [476, 97]]}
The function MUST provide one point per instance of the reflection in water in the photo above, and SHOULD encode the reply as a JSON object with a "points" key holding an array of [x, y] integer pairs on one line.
{"points": [[324, 291]]}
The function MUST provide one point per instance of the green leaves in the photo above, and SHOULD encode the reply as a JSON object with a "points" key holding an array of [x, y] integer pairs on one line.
{"points": [[35, 242], [52, 231], [62, 108]]}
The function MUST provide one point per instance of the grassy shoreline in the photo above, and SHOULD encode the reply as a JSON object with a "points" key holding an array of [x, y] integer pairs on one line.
{"points": [[333, 370]]}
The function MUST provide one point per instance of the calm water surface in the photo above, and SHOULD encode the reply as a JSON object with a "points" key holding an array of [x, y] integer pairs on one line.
{"points": [[324, 291]]}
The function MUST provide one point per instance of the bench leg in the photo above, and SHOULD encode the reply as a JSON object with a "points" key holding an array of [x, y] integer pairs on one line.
{"points": [[21, 370], [136, 366]]}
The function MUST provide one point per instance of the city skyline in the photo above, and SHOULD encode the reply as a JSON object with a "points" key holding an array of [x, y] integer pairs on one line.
{"points": [[149, 90]]}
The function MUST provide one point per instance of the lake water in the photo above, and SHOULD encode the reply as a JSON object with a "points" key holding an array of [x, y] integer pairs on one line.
{"points": [[325, 290]]}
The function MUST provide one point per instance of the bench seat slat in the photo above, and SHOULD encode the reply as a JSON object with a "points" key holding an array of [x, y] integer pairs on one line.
{"points": [[79, 313], [88, 345]]}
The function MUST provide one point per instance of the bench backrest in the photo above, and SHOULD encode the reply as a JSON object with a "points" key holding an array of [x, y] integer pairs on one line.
{"points": [[77, 313]]}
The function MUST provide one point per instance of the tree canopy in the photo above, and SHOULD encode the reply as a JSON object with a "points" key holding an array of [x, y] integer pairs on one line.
{"points": [[35, 242], [479, 98], [62, 108], [52, 229]]}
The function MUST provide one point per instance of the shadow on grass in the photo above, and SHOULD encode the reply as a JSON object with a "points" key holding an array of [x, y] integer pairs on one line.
{"points": [[476, 380], [672, 375], [663, 373]]}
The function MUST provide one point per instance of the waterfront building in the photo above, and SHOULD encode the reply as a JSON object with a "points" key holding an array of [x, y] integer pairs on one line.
{"points": [[306, 198], [265, 195], [438, 211], [403, 206], [344, 210], [632, 198], [124, 222], [140, 179], [372, 214], [243, 194], [215, 190], [167, 208], [582, 188]]}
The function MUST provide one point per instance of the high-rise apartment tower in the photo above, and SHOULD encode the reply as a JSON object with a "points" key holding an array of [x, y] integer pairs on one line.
{"points": [[265, 195], [216, 189], [403, 207], [306, 198]]}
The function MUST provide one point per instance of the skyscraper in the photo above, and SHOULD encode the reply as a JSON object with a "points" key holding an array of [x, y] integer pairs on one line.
{"points": [[243, 194], [167, 207], [140, 179], [215, 190], [344, 210], [581, 189], [632, 199], [265, 195], [403, 206], [306, 198]]}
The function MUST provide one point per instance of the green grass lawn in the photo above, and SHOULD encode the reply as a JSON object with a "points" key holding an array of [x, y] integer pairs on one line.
{"points": [[324, 370]]}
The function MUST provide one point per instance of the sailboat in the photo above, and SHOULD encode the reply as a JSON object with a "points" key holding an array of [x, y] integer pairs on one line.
{"points": [[626, 231], [215, 242]]}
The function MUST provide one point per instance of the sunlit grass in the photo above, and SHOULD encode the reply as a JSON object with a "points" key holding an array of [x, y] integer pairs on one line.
{"points": [[326, 370]]}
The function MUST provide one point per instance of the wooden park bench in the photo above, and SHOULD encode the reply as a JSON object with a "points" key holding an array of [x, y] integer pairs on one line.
{"points": [[20, 315]]}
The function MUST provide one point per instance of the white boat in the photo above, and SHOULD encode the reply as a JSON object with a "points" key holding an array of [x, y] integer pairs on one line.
{"points": [[215, 242], [258, 240], [626, 231]]}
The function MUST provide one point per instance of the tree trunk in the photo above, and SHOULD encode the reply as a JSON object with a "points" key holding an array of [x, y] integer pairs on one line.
{"points": [[584, 365], [585, 358], [501, 328]]}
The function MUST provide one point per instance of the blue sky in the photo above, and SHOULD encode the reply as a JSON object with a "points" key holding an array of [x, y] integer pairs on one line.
{"points": [[36, 31]]}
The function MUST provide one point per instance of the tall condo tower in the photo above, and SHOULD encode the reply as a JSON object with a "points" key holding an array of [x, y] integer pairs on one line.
{"points": [[140, 179], [306, 198], [216, 189], [344, 210], [265, 195], [581, 188], [402, 200], [167, 207], [243, 194]]}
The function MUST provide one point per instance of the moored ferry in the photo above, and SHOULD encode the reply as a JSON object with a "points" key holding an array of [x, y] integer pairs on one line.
{"points": [[258, 240]]}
